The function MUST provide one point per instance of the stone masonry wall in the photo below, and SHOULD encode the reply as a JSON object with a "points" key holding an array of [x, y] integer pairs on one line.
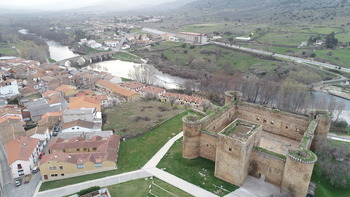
{"points": [[207, 146], [277, 122], [263, 164], [220, 121]]}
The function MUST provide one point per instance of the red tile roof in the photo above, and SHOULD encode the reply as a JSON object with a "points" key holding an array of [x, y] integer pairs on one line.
{"points": [[116, 88], [20, 149]]}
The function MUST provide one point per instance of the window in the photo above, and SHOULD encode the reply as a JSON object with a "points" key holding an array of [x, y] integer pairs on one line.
{"points": [[20, 172], [72, 128], [265, 120], [52, 168], [62, 174], [78, 128], [230, 149], [19, 166], [257, 118], [80, 166], [84, 149], [287, 126], [61, 167], [78, 149], [272, 122], [98, 164], [53, 175], [94, 148]]}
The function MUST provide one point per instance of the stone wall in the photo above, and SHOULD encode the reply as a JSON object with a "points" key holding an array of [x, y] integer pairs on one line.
{"points": [[217, 122], [268, 166], [207, 146], [191, 136], [273, 121]]}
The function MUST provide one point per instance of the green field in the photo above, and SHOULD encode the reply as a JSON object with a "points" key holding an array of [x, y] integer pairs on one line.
{"points": [[281, 38], [197, 171], [131, 118], [133, 153], [340, 56], [210, 57], [146, 187], [123, 56]]}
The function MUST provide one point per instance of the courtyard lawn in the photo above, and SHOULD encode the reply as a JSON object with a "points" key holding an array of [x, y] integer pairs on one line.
{"points": [[141, 187], [198, 171], [131, 118], [133, 153]]}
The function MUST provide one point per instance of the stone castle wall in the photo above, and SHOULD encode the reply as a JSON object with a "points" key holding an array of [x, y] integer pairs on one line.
{"points": [[207, 146], [218, 122], [273, 121], [268, 166]]}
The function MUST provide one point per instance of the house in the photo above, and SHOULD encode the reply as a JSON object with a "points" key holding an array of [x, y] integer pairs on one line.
{"points": [[11, 127], [151, 92], [78, 126], [48, 83], [84, 102], [182, 99], [86, 114], [133, 85], [124, 94], [41, 106], [195, 38], [9, 88], [22, 154], [319, 42], [111, 43], [78, 156], [67, 90], [104, 102]]}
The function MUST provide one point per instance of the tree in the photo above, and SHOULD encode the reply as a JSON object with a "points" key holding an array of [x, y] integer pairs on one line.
{"points": [[331, 41], [144, 74], [206, 105]]}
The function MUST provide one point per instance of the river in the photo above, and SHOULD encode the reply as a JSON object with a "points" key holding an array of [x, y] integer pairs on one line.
{"points": [[122, 69]]}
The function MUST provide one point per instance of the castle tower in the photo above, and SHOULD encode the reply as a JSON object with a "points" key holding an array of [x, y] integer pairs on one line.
{"points": [[321, 132], [232, 96], [191, 136], [297, 172]]}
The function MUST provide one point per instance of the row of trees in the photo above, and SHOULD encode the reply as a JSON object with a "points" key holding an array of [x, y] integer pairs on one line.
{"points": [[289, 95]]}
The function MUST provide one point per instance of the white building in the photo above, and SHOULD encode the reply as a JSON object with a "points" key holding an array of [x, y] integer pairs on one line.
{"points": [[9, 88], [78, 126], [22, 155], [243, 38], [196, 38], [111, 44]]}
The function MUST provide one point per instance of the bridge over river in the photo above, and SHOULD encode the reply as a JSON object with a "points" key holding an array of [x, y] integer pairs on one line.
{"points": [[84, 60]]}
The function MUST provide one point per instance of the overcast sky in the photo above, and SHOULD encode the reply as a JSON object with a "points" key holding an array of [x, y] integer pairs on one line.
{"points": [[72, 3]]}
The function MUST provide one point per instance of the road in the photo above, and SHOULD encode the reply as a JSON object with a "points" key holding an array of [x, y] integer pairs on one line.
{"points": [[6, 181], [297, 59], [338, 137]]}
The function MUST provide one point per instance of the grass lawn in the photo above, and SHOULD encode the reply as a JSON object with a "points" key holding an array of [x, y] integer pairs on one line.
{"points": [[130, 118], [127, 57], [198, 171], [140, 187], [133, 153]]}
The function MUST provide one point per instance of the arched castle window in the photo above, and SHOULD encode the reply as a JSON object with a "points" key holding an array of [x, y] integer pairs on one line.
{"points": [[287, 127], [265, 121], [230, 149], [257, 118], [272, 122]]}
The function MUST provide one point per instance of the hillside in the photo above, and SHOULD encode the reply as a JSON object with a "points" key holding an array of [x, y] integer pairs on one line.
{"points": [[269, 10]]}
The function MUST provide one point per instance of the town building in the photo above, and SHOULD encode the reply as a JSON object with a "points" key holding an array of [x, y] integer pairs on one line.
{"points": [[195, 38], [117, 91], [248, 139], [78, 156], [22, 154], [9, 88]]}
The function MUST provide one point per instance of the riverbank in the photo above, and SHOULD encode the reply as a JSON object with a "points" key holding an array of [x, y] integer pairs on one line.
{"points": [[333, 90]]}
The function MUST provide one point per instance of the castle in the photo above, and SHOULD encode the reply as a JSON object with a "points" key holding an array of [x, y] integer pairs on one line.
{"points": [[248, 139]]}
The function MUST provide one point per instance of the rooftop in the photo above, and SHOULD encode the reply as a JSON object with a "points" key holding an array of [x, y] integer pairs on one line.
{"points": [[240, 129], [20, 149]]}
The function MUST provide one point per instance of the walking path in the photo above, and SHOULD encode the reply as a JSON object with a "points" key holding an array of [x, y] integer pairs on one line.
{"points": [[103, 182], [338, 137]]}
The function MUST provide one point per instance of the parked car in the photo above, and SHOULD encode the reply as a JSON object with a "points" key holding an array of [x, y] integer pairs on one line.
{"points": [[18, 183], [55, 134], [35, 170], [41, 155]]}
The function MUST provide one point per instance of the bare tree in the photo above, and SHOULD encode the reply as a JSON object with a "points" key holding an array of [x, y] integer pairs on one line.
{"points": [[143, 74], [206, 105], [172, 100]]}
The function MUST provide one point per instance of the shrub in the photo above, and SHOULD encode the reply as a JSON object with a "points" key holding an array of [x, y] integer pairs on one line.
{"points": [[88, 190]]}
